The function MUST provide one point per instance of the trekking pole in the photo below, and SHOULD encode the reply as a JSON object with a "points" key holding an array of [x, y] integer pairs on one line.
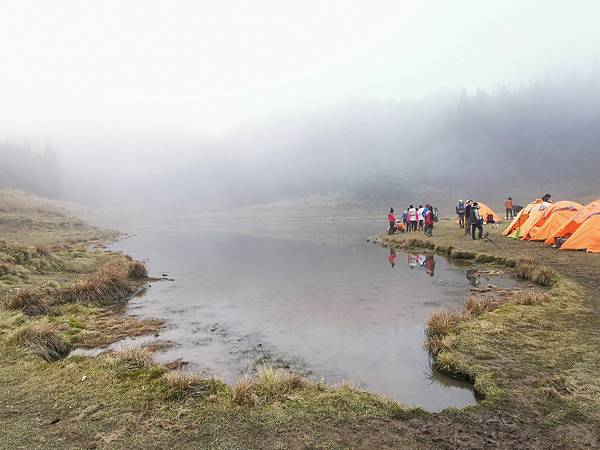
{"points": [[486, 238]]}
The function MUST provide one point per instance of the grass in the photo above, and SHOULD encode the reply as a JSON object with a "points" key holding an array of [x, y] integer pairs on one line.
{"points": [[182, 385], [137, 270], [108, 285], [532, 355], [30, 301], [41, 339], [130, 359], [267, 386]]}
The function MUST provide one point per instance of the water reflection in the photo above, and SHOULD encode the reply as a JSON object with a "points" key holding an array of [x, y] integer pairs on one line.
{"points": [[392, 257], [423, 262]]}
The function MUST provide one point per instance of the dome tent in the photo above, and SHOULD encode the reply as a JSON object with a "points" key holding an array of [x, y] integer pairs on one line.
{"points": [[586, 237], [569, 228]]}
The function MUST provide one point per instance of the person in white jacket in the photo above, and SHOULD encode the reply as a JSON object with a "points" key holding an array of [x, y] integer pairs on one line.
{"points": [[413, 217]]}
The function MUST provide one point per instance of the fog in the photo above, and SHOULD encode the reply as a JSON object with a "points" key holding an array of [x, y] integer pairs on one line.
{"points": [[205, 106]]}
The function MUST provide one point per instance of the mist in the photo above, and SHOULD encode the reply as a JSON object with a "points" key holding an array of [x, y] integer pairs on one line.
{"points": [[213, 107]]}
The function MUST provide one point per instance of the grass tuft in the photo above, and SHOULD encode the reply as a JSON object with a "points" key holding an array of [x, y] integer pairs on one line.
{"points": [[440, 323], [42, 339], [530, 297], [545, 276], [476, 305], [267, 386], [108, 285], [525, 268], [131, 359], [31, 302], [137, 270], [182, 384]]}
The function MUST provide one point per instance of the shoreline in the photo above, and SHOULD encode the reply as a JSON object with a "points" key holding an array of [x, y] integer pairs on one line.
{"points": [[125, 399]]}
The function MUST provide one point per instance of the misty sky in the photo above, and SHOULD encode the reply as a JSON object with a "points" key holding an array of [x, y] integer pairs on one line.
{"points": [[82, 68]]}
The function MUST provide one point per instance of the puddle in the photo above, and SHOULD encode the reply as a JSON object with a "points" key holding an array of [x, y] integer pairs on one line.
{"points": [[353, 312]]}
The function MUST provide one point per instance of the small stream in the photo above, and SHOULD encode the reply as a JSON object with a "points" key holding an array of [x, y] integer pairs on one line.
{"points": [[265, 294]]}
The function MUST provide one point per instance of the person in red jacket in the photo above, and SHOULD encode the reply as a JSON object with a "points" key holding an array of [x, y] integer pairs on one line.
{"points": [[392, 221], [429, 220]]}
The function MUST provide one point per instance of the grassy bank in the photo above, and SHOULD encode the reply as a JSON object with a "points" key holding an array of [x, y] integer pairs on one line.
{"points": [[533, 358]]}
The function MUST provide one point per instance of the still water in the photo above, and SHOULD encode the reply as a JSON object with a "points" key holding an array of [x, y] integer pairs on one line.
{"points": [[290, 293]]}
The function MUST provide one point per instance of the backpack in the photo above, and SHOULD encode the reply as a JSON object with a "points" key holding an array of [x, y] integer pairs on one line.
{"points": [[460, 208]]}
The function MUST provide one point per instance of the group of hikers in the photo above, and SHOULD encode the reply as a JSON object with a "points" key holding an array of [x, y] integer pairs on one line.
{"points": [[469, 218], [414, 219]]}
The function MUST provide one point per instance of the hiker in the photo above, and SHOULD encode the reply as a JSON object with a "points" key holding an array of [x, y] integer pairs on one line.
{"points": [[468, 217], [405, 220], [476, 221], [547, 198], [413, 218], [508, 205], [429, 219], [392, 221], [421, 217], [460, 212], [436, 213]]}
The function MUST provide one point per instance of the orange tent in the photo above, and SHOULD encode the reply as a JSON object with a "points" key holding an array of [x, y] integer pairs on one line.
{"points": [[485, 210], [586, 237], [539, 214], [535, 215], [555, 222], [520, 218], [570, 228]]}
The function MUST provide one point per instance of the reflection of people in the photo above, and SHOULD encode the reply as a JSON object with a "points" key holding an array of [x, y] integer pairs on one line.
{"points": [[392, 257], [472, 277], [421, 260], [430, 265], [412, 260]]}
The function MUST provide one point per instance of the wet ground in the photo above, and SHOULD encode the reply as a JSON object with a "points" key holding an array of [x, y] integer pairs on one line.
{"points": [[285, 292]]}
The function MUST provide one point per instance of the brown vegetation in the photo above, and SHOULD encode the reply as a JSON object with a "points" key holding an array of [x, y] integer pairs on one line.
{"points": [[29, 301], [108, 285], [41, 339], [267, 386]]}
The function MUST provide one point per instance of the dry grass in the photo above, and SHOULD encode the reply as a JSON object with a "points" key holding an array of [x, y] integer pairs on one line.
{"points": [[108, 285], [41, 339], [181, 384], [31, 302], [525, 268], [440, 323], [130, 359], [14, 201], [137, 270], [267, 386], [530, 297], [476, 305], [545, 276]]}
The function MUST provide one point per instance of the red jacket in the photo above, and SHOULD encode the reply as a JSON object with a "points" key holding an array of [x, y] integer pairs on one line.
{"points": [[391, 217], [429, 217]]}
